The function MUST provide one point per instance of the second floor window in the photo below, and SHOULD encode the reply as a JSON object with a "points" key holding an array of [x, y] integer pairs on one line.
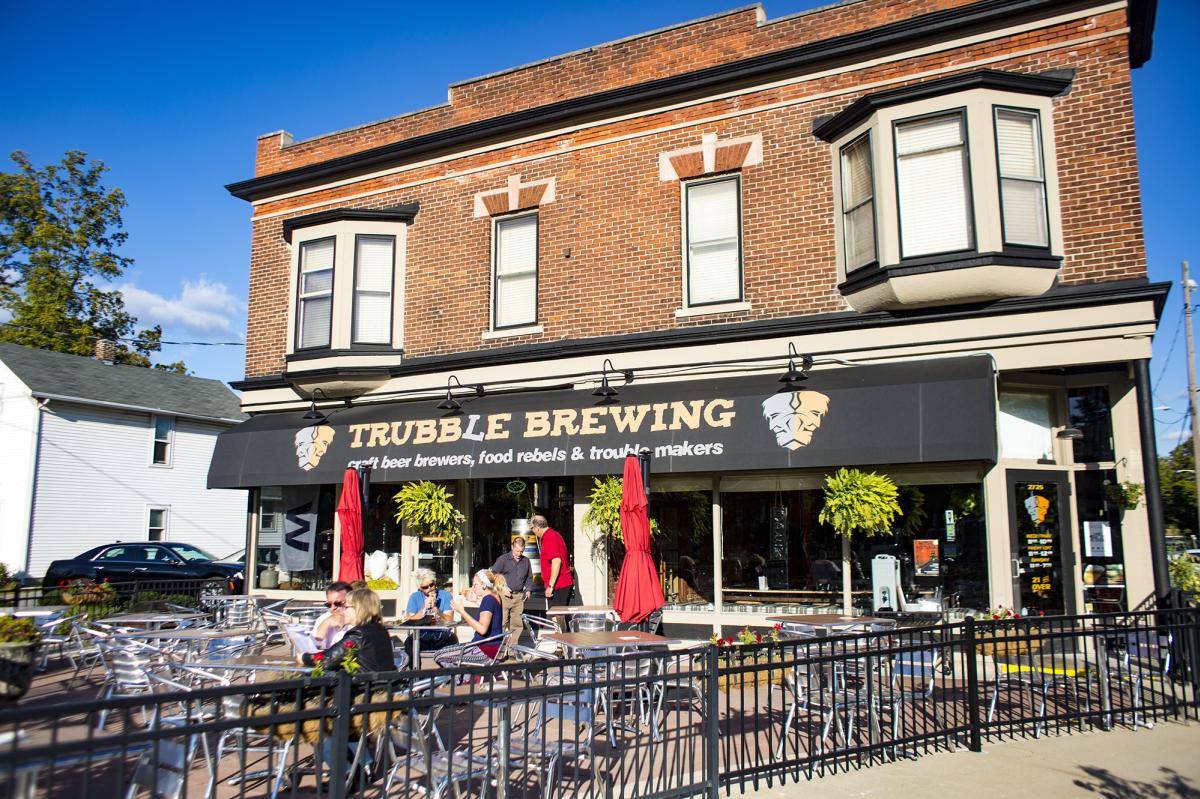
{"points": [[932, 182], [714, 246], [858, 203], [1022, 178], [374, 260], [515, 263], [316, 293], [164, 429]]}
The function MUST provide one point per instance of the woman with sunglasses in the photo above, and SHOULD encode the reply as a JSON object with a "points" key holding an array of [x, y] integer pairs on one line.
{"points": [[429, 605]]}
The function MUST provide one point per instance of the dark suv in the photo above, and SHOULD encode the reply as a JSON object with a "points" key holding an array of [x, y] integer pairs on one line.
{"points": [[146, 562]]}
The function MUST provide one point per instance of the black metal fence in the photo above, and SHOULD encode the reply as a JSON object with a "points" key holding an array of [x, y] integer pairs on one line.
{"points": [[646, 724], [97, 600]]}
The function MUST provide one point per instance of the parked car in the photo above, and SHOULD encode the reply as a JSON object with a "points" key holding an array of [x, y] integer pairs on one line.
{"points": [[145, 562]]}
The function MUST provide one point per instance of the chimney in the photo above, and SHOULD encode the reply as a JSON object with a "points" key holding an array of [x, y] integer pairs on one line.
{"points": [[106, 351]]}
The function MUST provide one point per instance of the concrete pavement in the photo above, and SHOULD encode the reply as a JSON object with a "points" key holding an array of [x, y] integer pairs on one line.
{"points": [[1158, 763]]}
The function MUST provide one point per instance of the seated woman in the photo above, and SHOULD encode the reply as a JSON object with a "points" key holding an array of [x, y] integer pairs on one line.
{"points": [[488, 624], [368, 638], [428, 605]]}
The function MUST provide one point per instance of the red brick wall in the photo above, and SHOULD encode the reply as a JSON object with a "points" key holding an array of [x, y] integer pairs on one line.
{"points": [[622, 223]]}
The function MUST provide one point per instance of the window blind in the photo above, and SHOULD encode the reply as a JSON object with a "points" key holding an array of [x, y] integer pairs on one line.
{"points": [[373, 272], [714, 258], [1022, 181], [858, 204], [316, 292], [932, 184], [515, 293]]}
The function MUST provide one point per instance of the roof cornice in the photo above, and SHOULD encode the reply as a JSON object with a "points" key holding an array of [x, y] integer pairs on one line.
{"points": [[1050, 84], [893, 37]]}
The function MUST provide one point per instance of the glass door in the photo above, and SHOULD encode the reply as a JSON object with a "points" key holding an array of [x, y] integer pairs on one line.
{"points": [[1039, 521]]}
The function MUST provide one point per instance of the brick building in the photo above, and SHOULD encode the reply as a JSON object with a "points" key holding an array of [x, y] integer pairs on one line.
{"points": [[903, 236]]}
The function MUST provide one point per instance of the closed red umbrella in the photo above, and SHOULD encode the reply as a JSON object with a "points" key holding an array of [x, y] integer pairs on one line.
{"points": [[638, 591], [349, 512]]}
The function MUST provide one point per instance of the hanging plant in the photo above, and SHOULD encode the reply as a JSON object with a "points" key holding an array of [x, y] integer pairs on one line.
{"points": [[604, 512], [858, 502], [1126, 496], [426, 507]]}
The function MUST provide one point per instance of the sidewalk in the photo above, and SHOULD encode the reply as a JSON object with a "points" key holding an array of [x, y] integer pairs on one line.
{"points": [[1159, 763]]}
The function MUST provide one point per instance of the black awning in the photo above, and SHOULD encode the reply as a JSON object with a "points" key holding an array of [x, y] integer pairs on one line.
{"points": [[925, 411]]}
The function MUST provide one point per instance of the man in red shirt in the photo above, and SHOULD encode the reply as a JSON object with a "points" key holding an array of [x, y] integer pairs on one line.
{"points": [[556, 566]]}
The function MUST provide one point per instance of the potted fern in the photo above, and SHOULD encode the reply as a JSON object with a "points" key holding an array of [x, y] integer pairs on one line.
{"points": [[858, 502], [426, 507], [19, 644]]}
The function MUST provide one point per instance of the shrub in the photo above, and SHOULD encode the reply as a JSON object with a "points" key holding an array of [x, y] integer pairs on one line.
{"points": [[18, 630]]}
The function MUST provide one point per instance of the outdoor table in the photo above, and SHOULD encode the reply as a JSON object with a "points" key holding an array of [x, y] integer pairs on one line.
{"points": [[249, 663], [610, 640], [1056, 669], [38, 612], [404, 627], [563, 615], [153, 620], [824, 624]]}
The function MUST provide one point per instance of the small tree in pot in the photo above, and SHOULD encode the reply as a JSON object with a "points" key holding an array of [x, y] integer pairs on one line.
{"points": [[857, 501], [19, 643]]}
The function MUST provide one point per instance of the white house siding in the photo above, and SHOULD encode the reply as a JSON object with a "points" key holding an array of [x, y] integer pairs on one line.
{"points": [[18, 423], [95, 484]]}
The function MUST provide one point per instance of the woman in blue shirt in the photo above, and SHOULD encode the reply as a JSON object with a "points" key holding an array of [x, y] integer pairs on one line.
{"points": [[488, 624], [429, 605]]}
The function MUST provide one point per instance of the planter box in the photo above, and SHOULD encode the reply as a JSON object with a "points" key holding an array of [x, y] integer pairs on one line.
{"points": [[17, 662], [749, 679], [1003, 648]]}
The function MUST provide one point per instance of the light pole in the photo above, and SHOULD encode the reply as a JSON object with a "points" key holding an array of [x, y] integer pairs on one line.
{"points": [[1188, 285]]}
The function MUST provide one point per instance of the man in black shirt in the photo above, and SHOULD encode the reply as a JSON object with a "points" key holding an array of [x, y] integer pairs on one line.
{"points": [[518, 574]]}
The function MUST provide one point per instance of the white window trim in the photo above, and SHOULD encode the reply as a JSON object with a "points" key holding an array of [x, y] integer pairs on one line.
{"points": [[686, 308], [984, 186], [166, 527], [301, 297], [706, 310], [170, 462], [356, 291], [867, 134], [342, 315], [521, 328]]}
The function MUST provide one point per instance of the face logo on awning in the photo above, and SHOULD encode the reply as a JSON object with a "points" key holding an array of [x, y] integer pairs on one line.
{"points": [[311, 443], [794, 416]]}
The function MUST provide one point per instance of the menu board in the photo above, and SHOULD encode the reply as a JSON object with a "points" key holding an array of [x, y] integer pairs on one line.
{"points": [[1040, 543]]}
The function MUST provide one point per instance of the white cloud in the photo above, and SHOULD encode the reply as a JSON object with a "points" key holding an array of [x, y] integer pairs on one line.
{"points": [[203, 307]]}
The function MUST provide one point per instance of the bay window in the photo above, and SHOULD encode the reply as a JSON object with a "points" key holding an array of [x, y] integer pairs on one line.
{"points": [[858, 203], [932, 186], [315, 312], [1022, 179]]}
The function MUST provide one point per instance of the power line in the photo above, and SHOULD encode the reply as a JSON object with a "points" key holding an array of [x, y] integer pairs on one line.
{"points": [[1171, 349], [119, 338]]}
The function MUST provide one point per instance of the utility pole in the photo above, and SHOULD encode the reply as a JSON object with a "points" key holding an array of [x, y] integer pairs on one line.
{"points": [[1188, 285]]}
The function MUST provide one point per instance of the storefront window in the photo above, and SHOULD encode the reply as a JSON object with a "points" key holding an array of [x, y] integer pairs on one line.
{"points": [[301, 532], [1090, 414], [776, 552], [500, 503], [1025, 426], [1100, 543], [683, 547], [270, 528]]}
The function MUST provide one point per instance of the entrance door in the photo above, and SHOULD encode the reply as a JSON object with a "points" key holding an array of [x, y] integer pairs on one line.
{"points": [[1039, 518]]}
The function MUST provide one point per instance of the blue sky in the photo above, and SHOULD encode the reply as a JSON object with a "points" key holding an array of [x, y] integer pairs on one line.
{"points": [[172, 95]]}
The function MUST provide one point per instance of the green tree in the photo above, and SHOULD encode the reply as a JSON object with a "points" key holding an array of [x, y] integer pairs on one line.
{"points": [[1177, 475], [858, 502], [60, 232]]}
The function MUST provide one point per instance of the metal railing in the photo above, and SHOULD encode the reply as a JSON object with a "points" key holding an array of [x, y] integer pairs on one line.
{"points": [[118, 596], [640, 725]]}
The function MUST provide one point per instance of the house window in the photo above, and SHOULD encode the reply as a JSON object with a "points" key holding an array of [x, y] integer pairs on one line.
{"points": [[316, 293], [858, 203], [164, 432], [1022, 178], [932, 181], [714, 246], [158, 524], [374, 265], [1026, 430], [515, 262]]}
